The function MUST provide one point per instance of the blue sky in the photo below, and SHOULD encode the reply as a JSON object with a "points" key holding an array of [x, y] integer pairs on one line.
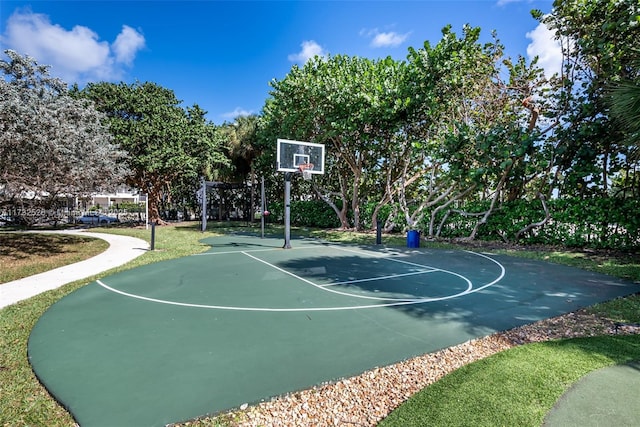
{"points": [[221, 55]]}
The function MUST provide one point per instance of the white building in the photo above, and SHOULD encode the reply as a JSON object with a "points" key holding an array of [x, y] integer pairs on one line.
{"points": [[122, 195]]}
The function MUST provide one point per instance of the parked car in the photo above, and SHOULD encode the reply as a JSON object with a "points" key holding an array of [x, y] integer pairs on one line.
{"points": [[96, 218]]}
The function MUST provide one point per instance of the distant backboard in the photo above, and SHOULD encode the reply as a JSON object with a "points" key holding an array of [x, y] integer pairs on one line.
{"points": [[291, 154]]}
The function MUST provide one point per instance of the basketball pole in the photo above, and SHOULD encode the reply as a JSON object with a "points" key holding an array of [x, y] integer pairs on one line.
{"points": [[262, 208], [204, 204], [287, 210]]}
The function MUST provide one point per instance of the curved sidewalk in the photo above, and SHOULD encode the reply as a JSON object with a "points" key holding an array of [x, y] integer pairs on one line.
{"points": [[121, 250]]}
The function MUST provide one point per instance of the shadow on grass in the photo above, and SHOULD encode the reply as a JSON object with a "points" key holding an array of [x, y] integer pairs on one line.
{"points": [[25, 245]]}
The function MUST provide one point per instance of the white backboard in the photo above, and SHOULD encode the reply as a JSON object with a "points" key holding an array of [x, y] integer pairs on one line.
{"points": [[290, 154]]}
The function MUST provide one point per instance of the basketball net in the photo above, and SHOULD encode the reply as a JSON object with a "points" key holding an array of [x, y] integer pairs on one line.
{"points": [[305, 169]]}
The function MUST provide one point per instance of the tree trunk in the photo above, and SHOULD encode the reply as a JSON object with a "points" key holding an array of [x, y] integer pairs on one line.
{"points": [[154, 198], [547, 217], [494, 199], [355, 205], [341, 213]]}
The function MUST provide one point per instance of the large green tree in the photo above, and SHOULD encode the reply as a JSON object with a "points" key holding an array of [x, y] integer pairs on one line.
{"points": [[242, 149], [168, 146], [351, 105], [50, 143], [599, 39], [460, 122], [419, 135], [473, 128], [624, 101]]}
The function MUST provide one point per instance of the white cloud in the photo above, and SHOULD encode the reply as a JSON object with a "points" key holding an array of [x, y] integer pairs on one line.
{"points": [[504, 2], [391, 39], [238, 112], [384, 39], [76, 55], [546, 49], [127, 44], [309, 49]]}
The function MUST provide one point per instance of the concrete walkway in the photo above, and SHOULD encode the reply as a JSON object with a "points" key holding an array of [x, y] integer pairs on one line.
{"points": [[121, 250]]}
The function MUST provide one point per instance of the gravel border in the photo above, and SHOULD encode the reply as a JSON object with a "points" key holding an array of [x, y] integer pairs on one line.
{"points": [[366, 399]]}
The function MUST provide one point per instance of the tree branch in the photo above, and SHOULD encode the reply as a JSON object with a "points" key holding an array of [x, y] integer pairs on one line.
{"points": [[539, 223]]}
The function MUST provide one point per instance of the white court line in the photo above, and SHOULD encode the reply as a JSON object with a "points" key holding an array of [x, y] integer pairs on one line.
{"points": [[321, 287], [502, 270], [240, 251], [373, 279], [385, 257], [468, 291], [269, 309], [388, 258]]}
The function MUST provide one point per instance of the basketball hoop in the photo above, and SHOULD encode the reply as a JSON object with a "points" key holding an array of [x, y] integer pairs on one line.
{"points": [[305, 169], [297, 158]]}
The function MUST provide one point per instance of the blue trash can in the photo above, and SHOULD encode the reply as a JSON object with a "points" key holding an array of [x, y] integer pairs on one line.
{"points": [[413, 239]]}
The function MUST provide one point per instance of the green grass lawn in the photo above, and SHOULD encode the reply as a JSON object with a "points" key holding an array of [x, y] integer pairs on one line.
{"points": [[521, 383], [516, 387], [23, 400], [26, 254]]}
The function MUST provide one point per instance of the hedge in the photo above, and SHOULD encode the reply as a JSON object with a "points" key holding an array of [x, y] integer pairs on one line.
{"points": [[596, 222]]}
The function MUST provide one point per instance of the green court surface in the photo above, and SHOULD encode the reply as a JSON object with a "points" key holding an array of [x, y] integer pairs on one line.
{"points": [[248, 320], [606, 397]]}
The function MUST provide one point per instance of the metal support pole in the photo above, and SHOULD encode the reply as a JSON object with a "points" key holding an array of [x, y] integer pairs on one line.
{"points": [[378, 233], [287, 210], [204, 205], [262, 208], [146, 210], [153, 235]]}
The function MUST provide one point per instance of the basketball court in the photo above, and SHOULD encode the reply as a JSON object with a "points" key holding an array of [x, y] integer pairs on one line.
{"points": [[248, 320]]}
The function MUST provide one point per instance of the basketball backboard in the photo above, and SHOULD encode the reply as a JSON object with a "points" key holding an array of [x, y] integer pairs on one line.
{"points": [[291, 154]]}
